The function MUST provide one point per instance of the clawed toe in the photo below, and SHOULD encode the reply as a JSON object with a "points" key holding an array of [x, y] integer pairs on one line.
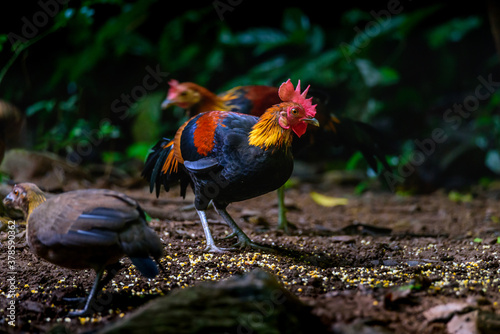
{"points": [[215, 249], [77, 300], [240, 245], [79, 313], [230, 235]]}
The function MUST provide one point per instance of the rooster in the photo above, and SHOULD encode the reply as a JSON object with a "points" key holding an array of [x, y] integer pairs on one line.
{"points": [[232, 157], [254, 100]]}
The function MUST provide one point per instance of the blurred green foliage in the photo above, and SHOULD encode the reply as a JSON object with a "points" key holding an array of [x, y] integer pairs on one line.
{"points": [[70, 131], [399, 73]]}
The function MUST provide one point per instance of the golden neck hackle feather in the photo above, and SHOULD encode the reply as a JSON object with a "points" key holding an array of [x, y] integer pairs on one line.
{"points": [[267, 132]]}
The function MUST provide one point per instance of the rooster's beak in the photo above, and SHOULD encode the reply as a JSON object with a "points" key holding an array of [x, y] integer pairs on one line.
{"points": [[311, 120], [166, 103]]}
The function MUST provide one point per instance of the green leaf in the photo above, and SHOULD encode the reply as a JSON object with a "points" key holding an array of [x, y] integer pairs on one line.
{"points": [[146, 126], [109, 130], [361, 188], [215, 58], [79, 129], [111, 157], [316, 38], [452, 31], [139, 150], [455, 196], [294, 20], [354, 16], [69, 104], [148, 217], [388, 76], [353, 162], [414, 18], [374, 76], [3, 39], [258, 36], [493, 161], [47, 105]]}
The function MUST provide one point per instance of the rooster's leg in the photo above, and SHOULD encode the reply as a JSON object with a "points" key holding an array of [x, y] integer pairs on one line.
{"points": [[282, 221], [243, 240], [211, 247]]}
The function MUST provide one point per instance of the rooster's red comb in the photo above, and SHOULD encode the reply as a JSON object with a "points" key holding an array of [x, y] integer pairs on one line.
{"points": [[287, 93], [173, 90], [173, 83]]}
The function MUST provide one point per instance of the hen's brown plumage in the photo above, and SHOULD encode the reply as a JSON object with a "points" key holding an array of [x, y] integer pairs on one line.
{"points": [[87, 229]]}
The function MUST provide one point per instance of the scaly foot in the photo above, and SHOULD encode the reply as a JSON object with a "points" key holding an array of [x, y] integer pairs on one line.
{"points": [[214, 249], [79, 313], [285, 225], [244, 242]]}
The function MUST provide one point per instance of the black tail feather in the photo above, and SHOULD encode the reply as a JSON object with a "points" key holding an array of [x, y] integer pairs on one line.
{"points": [[153, 168]]}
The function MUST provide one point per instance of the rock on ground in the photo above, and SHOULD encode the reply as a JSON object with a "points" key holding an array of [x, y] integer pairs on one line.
{"points": [[252, 303]]}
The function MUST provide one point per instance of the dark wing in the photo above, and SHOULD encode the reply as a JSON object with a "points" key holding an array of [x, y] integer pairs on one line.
{"points": [[125, 228], [95, 218], [202, 166], [208, 137]]}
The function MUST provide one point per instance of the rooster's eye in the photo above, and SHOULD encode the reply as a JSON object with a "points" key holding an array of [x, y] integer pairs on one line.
{"points": [[295, 111], [16, 192]]}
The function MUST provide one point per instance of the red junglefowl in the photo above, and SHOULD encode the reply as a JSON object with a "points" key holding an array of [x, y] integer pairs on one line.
{"points": [[251, 100], [232, 157], [91, 228], [254, 100]]}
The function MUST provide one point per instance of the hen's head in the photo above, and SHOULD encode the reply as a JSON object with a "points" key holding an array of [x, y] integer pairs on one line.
{"points": [[297, 111], [25, 197], [183, 95]]}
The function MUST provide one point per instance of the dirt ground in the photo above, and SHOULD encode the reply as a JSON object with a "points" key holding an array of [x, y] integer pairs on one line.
{"points": [[379, 264]]}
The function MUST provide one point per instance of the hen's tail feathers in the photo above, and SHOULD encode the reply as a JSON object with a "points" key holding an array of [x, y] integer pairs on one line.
{"points": [[161, 167], [146, 266]]}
